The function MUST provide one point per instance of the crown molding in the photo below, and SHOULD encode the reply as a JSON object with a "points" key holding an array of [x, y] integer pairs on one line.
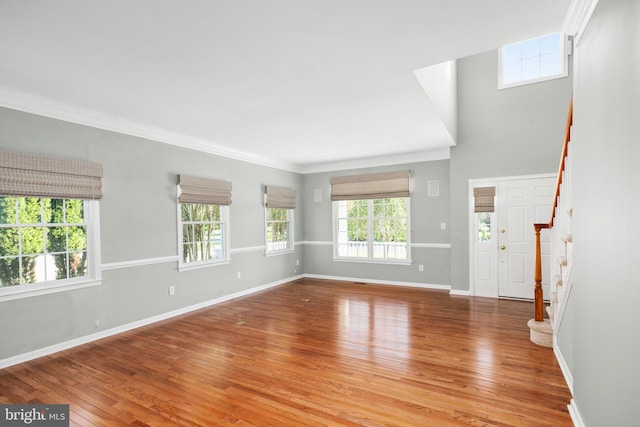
{"points": [[577, 19], [69, 113], [396, 159], [46, 107]]}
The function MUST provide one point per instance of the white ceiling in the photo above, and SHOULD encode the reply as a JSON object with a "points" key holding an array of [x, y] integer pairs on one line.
{"points": [[297, 84]]}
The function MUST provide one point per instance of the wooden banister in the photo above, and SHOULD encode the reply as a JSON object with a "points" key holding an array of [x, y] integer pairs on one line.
{"points": [[538, 298], [563, 157]]}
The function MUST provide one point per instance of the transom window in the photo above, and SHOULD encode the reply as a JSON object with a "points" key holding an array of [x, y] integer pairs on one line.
{"points": [[534, 60], [279, 230], [203, 233], [43, 240], [372, 229]]}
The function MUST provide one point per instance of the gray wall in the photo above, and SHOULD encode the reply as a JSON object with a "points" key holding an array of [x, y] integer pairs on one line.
{"points": [[604, 315], [427, 213], [509, 132], [138, 221]]}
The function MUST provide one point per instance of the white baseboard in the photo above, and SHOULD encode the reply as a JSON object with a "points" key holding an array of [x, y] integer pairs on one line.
{"points": [[575, 414], [379, 282], [568, 376], [45, 351], [459, 292]]}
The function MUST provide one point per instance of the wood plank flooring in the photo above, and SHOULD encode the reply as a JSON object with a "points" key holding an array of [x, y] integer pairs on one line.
{"points": [[311, 353]]}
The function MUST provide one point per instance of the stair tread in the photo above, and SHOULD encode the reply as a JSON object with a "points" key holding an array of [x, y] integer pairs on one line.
{"points": [[543, 327]]}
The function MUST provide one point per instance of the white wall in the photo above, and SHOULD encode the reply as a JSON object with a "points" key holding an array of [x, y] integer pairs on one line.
{"points": [[602, 337]]}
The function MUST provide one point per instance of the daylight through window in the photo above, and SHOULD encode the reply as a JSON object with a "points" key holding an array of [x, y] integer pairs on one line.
{"points": [[533, 60], [372, 229], [203, 233], [42, 240], [279, 229]]}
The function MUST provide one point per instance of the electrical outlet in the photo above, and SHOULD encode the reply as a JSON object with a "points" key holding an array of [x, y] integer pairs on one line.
{"points": [[297, 262], [421, 267], [172, 290], [239, 275], [443, 226]]}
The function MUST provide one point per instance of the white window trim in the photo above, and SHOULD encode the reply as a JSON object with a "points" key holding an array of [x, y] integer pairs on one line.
{"points": [[92, 216], [291, 217], [370, 259], [564, 54], [226, 221]]}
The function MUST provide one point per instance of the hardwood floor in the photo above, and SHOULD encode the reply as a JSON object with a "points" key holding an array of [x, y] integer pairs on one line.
{"points": [[311, 353]]}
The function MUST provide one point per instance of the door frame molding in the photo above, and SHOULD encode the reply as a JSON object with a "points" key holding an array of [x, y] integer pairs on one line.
{"points": [[483, 182]]}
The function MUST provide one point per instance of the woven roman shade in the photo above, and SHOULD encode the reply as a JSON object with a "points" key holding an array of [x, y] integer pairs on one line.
{"points": [[280, 197], [483, 199], [30, 175], [204, 191], [370, 186]]}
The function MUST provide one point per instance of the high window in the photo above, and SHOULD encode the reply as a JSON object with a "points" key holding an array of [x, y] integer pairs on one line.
{"points": [[371, 216], [534, 60], [280, 206], [49, 234], [203, 222]]}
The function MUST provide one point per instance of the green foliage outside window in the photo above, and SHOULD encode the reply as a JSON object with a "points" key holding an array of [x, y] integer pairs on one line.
{"points": [[373, 228], [389, 216], [34, 230]]}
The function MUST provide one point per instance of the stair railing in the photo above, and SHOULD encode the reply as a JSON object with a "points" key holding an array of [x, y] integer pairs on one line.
{"points": [[538, 297]]}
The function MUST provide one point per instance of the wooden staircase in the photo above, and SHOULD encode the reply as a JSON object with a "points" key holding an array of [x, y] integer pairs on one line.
{"points": [[543, 330]]}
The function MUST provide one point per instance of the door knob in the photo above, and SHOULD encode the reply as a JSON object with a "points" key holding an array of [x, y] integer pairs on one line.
{"points": [[503, 231], [503, 247]]}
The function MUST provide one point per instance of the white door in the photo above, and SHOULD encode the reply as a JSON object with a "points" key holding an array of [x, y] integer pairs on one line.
{"points": [[520, 203]]}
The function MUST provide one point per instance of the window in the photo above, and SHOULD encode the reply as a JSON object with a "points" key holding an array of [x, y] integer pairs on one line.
{"points": [[203, 233], [483, 225], [534, 60], [280, 203], [49, 224], [279, 230], [203, 222], [43, 240], [483, 208], [372, 229]]}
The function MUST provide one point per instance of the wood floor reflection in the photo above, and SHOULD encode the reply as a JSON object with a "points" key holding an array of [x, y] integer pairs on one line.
{"points": [[311, 353]]}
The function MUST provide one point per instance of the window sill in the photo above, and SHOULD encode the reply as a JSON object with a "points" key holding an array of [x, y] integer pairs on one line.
{"points": [[197, 266], [374, 261], [34, 290], [519, 83]]}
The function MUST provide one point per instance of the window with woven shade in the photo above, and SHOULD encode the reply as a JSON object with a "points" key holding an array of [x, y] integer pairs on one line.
{"points": [[49, 226], [371, 215], [280, 203], [203, 221]]}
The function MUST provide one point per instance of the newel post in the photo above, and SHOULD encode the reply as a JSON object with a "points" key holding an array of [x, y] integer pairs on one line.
{"points": [[538, 302]]}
